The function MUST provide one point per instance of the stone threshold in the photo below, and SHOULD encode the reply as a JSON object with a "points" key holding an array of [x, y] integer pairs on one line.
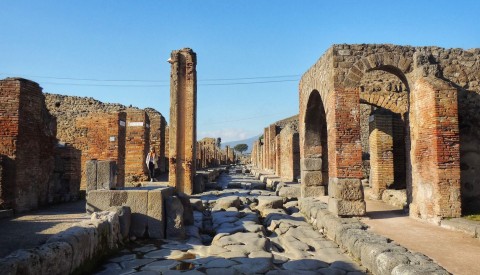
{"points": [[471, 228], [378, 254]]}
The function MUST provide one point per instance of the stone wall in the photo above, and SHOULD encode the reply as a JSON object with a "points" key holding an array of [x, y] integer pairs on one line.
{"points": [[68, 108], [27, 136], [64, 186], [76, 250]]}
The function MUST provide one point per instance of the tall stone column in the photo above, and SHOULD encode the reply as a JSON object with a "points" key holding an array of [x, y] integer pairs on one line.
{"points": [[183, 119]]}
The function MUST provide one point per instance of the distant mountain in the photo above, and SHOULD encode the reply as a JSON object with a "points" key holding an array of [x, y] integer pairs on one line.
{"points": [[248, 141]]}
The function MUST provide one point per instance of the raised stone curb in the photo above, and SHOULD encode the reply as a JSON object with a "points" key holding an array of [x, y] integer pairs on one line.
{"points": [[378, 254], [72, 250], [472, 228]]}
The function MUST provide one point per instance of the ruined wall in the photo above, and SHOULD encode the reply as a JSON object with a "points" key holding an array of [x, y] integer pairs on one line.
{"points": [[136, 145], [65, 183], [157, 136], [27, 137], [290, 153], [68, 108], [102, 137], [462, 69]]}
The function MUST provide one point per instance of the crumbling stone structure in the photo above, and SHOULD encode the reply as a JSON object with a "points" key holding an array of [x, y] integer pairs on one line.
{"points": [[92, 115], [27, 142], [183, 112], [284, 158], [432, 81]]}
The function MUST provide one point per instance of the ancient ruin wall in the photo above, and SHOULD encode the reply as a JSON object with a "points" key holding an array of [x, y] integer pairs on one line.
{"points": [[102, 137], [136, 145], [68, 108], [157, 136], [27, 136]]}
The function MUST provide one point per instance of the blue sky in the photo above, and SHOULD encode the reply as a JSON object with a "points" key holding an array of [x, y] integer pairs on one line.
{"points": [[57, 43]]}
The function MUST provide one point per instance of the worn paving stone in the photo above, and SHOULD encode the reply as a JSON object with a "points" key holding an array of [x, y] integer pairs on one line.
{"points": [[221, 271], [136, 263], [305, 264], [220, 263], [123, 258], [253, 265], [160, 266]]}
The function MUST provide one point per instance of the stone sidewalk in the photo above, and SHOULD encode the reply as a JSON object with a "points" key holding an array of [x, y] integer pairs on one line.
{"points": [[238, 231], [457, 252], [34, 228]]}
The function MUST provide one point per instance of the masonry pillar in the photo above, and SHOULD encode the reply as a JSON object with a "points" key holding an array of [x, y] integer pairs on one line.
{"points": [[345, 155], [278, 156], [381, 153], [435, 152], [183, 120]]}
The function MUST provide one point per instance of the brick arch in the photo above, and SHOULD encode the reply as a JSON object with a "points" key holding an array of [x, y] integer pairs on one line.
{"points": [[398, 64], [392, 101]]}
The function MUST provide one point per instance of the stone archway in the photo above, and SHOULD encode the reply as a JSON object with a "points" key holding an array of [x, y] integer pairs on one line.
{"points": [[314, 164]]}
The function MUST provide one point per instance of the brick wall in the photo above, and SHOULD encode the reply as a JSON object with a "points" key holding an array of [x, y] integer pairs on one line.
{"points": [[102, 136], [157, 136], [290, 154], [137, 145], [27, 136]]}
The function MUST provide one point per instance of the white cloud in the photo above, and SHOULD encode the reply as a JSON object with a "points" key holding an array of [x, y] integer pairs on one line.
{"points": [[229, 134]]}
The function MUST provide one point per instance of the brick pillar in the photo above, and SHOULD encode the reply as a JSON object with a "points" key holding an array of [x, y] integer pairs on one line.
{"points": [[381, 153], [278, 156], [290, 154], [265, 149], [345, 154], [272, 133], [183, 119], [137, 145], [27, 140], [104, 139], [434, 153]]}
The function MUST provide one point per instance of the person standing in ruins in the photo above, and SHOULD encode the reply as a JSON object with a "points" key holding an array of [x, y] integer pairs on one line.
{"points": [[151, 162]]}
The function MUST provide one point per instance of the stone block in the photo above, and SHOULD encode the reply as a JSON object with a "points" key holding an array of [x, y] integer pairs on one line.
{"points": [[55, 258], [311, 164], [312, 191], [137, 200], [91, 174], [198, 184], [345, 208], [311, 178], [156, 214], [106, 174], [290, 192], [174, 214], [345, 189], [187, 209]]}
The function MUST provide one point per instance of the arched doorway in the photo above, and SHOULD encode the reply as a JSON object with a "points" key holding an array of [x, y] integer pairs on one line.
{"points": [[314, 164]]}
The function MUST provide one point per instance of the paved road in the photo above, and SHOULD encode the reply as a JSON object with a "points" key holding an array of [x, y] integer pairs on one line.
{"points": [[34, 228]]}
